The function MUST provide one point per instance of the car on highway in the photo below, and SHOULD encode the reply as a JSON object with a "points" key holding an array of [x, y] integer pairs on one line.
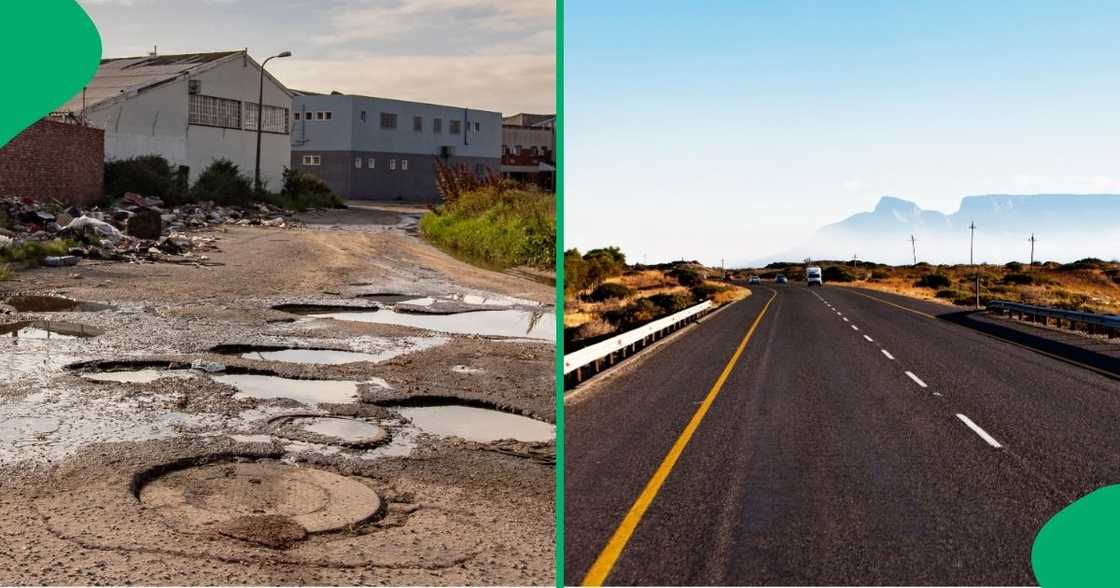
{"points": [[813, 276], [754, 280], [780, 279]]}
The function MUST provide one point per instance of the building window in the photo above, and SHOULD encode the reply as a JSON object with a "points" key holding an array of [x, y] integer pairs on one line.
{"points": [[275, 119], [388, 120], [404, 165], [418, 123], [363, 116], [319, 115], [456, 127], [307, 115], [437, 125], [216, 112], [392, 164], [312, 159], [295, 116], [372, 163], [358, 162], [329, 114], [477, 126]]}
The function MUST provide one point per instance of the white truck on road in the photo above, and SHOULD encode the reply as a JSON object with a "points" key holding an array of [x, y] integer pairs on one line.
{"points": [[813, 276]]}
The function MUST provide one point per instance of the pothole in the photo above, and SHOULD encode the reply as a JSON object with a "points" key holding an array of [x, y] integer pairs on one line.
{"points": [[301, 354], [330, 430], [268, 503], [49, 330], [495, 323], [36, 303], [476, 424], [322, 308], [303, 391], [144, 376], [390, 297]]}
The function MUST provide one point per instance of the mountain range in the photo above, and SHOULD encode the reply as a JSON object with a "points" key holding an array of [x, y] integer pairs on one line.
{"points": [[1066, 226]]}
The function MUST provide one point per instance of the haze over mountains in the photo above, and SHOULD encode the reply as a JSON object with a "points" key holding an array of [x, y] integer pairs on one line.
{"points": [[1067, 227]]}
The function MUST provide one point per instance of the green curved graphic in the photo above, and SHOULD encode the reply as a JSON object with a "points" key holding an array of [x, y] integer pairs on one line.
{"points": [[1080, 546], [51, 50]]}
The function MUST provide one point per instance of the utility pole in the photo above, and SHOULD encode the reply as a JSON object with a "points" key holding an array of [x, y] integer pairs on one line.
{"points": [[914, 248], [722, 270], [971, 259], [1032, 240]]}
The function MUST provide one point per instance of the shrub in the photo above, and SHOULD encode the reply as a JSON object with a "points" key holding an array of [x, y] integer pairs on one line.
{"points": [[609, 291], [498, 227], [706, 291], [934, 281], [948, 293], [148, 175], [635, 314], [670, 303], [1018, 279], [223, 183], [836, 273], [688, 278], [5, 271], [879, 275], [1013, 266], [304, 191]]}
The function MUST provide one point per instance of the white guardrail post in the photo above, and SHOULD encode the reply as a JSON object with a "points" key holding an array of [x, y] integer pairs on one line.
{"points": [[591, 358]]}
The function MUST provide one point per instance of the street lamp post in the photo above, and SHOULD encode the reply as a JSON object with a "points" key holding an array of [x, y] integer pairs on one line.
{"points": [[260, 115]]}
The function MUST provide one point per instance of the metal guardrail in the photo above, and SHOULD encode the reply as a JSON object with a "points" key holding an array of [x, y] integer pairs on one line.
{"points": [[594, 358], [1094, 324]]}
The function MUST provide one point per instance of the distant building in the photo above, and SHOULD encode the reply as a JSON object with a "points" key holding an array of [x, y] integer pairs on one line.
{"points": [[191, 109], [368, 148], [529, 148]]}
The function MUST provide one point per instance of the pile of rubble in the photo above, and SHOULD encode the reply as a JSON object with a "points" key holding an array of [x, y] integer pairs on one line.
{"points": [[135, 229]]}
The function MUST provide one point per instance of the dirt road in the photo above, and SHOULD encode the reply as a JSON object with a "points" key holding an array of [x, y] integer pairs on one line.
{"points": [[362, 409]]}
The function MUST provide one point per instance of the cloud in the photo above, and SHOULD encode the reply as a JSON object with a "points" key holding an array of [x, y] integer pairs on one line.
{"points": [[854, 185], [506, 83], [398, 19], [1064, 184]]}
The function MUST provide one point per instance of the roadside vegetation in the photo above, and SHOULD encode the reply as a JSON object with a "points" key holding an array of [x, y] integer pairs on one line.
{"points": [[492, 221], [605, 296], [29, 254], [222, 182], [1087, 285]]}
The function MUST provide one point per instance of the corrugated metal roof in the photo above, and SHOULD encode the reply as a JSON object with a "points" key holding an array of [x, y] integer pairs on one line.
{"points": [[122, 75]]}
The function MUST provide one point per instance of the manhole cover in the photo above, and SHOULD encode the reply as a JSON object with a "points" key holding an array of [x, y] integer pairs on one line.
{"points": [[205, 498]]}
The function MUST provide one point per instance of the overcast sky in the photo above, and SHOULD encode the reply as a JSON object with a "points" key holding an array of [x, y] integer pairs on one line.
{"points": [[735, 129], [489, 54]]}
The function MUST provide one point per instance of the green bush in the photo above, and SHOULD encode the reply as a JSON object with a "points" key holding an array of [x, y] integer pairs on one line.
{"points": [[5, 271], [635, 314], [303, 192], [610, 291], [933, 281], [147, 175], [670, 303], [836, 273], [498, 227], [706, 291], [879, 275], [33, 252], [1013, 266], [224, 184], [1018, 279], [688, 278]]}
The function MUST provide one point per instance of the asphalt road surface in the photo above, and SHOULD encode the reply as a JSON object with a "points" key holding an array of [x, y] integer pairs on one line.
{"points": [[859, 438]]}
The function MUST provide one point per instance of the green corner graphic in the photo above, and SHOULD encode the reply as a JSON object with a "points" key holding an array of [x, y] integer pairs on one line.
{"points": [[1080, 546], [54, 49]]}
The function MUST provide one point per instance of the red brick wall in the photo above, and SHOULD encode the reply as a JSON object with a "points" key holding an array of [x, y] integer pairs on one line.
{"points": [[54, 160]]}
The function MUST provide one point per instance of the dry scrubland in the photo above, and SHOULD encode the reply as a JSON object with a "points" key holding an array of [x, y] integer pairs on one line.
{"points": [[604, 296], [1088, 285]]}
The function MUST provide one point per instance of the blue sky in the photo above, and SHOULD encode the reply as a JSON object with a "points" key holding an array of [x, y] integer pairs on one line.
{"points": [[736, 128], [488, 54]]}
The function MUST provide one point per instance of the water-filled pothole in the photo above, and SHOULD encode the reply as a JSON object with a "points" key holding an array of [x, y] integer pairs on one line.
{"points": [[390, 298], [38, 303], [48, 330], [268, 503], [299, 354], [476, 424], [330, 430], [304, 391], [496, 323], [322, 308], [144, 376]]}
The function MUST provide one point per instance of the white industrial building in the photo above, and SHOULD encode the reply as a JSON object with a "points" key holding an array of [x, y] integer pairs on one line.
{"points": [[191, 109]]}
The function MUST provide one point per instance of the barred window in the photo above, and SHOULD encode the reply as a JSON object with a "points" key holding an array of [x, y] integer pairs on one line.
{"points": [[216, 112], [418, 123], [456, 126], [388, 120], [404, 165], [437, 125], [275, 119]]}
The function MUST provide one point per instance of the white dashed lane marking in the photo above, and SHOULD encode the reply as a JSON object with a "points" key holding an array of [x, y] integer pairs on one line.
{"points": [[887, 353], [981, 432], [869, 338], [916, 379]]}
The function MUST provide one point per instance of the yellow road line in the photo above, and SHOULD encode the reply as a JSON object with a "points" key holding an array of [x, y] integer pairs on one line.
{"points": [[610, 554], [877, 299]]}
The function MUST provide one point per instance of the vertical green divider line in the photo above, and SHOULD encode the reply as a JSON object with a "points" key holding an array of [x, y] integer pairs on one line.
{"points": [[559, 184]]}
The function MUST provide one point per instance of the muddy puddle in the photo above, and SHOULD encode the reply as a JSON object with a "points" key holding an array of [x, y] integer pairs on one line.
{"points": [[312, 309], [495, 323], [48, 330], [330, 430], [389, 297], [476, 424], [303, 391], [35, 303], [316, 356], [136, 376]]}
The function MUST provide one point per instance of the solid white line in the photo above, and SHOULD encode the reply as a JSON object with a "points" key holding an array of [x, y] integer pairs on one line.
{"points": [[868, 338], [916, 379], [855, 328], [887, 353], [976, 429]]}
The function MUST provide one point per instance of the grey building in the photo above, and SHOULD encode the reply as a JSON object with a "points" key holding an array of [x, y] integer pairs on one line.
{"points": [[368, 148]]}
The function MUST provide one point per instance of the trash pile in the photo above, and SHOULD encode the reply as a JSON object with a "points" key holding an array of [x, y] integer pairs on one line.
{"points": [[134, 229]]}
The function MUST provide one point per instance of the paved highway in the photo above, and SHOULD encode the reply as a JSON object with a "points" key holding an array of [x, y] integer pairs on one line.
{"points": [[830, 436]]}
